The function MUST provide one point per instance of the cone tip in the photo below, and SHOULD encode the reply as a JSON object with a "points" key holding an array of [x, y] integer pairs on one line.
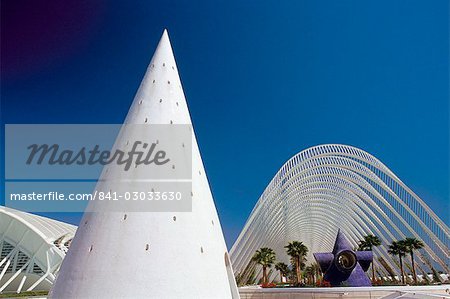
{"points": [[165, 33]]}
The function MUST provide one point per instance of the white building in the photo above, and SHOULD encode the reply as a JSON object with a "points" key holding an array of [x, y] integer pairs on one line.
{"points": [[31, 250]]}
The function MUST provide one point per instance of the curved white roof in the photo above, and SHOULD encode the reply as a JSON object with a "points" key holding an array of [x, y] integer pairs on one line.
{"points": [[49, 229], [32, 248]]}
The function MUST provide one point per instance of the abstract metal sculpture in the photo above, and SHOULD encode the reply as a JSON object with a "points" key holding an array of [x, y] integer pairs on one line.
{"points": [[343, 266]]}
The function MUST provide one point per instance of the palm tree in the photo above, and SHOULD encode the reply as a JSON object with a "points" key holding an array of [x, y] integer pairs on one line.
{"points": [[311, 272], [316, 269], [368, 243], [398, 248], [292, 274], [283, 268], [265, 257], [297, 250], [412, 244]]}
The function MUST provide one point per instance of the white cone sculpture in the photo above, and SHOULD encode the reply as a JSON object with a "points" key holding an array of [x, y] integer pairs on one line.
{"points": [[152, 254]]}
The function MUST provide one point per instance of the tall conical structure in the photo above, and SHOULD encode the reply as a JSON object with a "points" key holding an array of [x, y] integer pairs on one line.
{"points": [[152, 254]]}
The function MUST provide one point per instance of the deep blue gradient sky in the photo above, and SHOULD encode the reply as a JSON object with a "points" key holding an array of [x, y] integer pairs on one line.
{"points": [[263, 79]]}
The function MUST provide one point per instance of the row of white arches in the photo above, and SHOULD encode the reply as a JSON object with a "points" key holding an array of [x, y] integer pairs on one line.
{"points": [[328, 187]]}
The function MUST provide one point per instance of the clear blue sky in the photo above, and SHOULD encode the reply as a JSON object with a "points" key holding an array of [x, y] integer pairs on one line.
{"points": [[264, 80]]}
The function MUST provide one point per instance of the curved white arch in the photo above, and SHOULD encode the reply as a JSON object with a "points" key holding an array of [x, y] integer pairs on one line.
{"points": [[31, 250], [333, 186]]}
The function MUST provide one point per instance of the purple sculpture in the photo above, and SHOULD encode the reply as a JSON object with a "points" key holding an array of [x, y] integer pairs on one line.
{"points": [[343, 266]]}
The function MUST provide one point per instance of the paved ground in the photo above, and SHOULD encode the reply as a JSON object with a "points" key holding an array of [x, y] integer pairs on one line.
{"points": [[391, 292]]}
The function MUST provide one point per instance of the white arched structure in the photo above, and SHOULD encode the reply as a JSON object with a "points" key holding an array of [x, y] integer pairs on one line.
{"points": [[31, 250], [328, 187]]}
